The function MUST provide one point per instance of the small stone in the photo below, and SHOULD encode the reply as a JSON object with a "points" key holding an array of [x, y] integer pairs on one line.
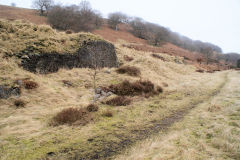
{"points": [[98, 90], [25, 57], [107, 71]]}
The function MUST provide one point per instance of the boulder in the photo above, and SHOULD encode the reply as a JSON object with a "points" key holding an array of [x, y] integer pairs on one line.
{"points": [[92, 54]]}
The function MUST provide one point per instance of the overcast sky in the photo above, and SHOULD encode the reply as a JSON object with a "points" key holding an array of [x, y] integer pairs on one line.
{"points": [[214, 21]]}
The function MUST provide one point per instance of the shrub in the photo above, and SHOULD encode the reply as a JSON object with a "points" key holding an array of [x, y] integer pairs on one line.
{"points": [[19, 103], [107, 113], [165, 84], [119, 101], [130, 70], [136, 88], [158, 56], [159, 89], [30, 84], [92, 108], [72, 116], [128, 58], [200, 70], [69, 31]]}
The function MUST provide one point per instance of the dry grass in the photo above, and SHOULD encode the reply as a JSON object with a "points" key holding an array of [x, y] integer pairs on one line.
{"points": [[24, 130], [206, 132], [128, 58], [119, 101], [107, 113], [130, 70]]}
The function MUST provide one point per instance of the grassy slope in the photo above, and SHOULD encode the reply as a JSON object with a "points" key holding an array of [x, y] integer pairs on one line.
{"points": [[211, 131], [25, 133]]}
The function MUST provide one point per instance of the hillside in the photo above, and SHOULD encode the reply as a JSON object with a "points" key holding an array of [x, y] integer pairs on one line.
{"points": [[110, 95], [13, 13], [26, 120], [113, 36]]}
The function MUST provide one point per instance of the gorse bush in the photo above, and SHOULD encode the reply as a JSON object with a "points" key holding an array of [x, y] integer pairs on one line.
{"points": [[119, 101], [130, 70]]}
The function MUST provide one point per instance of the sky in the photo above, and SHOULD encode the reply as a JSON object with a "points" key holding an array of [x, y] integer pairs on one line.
{"points": [[214, 21]]}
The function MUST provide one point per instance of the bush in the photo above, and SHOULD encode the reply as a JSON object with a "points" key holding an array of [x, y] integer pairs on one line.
{"points": [[165, 84], [107, 113], [92, 108], [200, 70], [136, 88], [159, 89], [119, 101], [128, 58], [19, 103], [72, 116], [158, 56], [130, 70], [30, 84], [69, 32]]}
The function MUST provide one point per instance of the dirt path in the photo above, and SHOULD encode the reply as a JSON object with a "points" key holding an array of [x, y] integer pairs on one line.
{"points": [[209, 131]]}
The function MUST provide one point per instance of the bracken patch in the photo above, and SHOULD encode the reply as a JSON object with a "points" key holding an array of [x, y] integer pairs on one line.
{"points": [[130, 70], [30, 84], [92, 108], [127, 88], [72, 116], [119, 101]]}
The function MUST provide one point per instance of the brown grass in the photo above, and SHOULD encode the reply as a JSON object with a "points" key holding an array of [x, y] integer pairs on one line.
{"points": [[107, 113], [119, 101], [130, 70], [158, 56], [13, 13], [127, 88], [19, 103], [30, 84], [92, 108], [72, 116], [128, 58]]}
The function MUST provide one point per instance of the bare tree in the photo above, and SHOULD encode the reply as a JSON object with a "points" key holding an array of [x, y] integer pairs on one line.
{"points": [[75, 17], [43, 6], [13, 4], [116, 18]]}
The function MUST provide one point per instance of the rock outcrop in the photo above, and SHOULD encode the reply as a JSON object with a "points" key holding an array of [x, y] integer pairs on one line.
{"points": [[6, 92], [91, 54]]}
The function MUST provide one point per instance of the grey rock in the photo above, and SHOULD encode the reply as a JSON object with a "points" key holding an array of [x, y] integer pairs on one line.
{"points": [[98, 90]]}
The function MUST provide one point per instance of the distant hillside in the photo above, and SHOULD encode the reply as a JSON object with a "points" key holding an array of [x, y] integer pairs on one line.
{"points": [[13, 13]]}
